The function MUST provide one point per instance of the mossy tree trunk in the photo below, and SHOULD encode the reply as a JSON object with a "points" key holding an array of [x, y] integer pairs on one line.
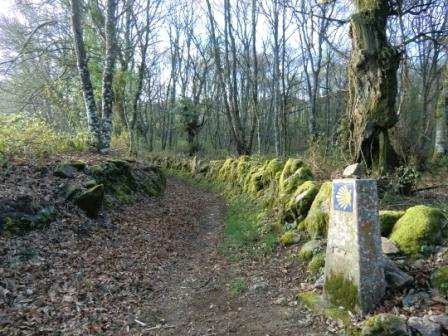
{"points": [[372, 76]]}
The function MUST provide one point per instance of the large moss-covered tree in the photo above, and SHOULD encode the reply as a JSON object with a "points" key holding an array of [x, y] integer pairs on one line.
{"points": [[372, 74]]}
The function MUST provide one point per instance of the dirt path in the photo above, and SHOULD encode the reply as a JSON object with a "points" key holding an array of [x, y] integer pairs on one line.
{"points": [[154, 269], [197, 300]]}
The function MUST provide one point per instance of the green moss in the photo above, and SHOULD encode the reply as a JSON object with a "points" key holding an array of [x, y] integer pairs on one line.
{"points": [[316, 222], [310, 249], [317, 304], [272, 167], [225, 169], [420, 226], [20, 223], [384, 325], [290, 168], [122, 182], [288, 185], [256, 183], [289, 238], [317, 263], [439, 280], [242, 169], [90, 183], [310, 299], [388, 218], [123, 193], [300, 202], [341, 291]]}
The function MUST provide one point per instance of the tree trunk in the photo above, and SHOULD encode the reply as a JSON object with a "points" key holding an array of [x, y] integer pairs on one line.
{"points": [[441, 136], [234, 124], [276, 80], [372, 76], [83, 69], [108, 74]]}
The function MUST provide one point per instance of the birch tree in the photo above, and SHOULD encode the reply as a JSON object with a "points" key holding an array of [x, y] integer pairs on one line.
{"points": [[108, 73], [87, 87]]}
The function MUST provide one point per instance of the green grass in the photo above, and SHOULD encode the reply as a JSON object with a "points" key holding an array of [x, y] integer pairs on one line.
{"points": [[237, 287], [243, 236], [245, 219]]}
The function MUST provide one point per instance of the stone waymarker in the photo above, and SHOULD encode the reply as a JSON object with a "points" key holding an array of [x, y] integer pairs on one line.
{"points": [[354, 268]]}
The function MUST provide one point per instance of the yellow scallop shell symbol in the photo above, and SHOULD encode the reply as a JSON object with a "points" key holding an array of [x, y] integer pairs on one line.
{"points": [[344, 197]]}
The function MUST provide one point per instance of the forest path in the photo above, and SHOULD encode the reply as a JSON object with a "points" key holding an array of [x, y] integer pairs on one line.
{"points": [[150, 268], [205, 294]]}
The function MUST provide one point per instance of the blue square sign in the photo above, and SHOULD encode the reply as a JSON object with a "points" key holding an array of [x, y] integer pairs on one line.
{"points": [[343, 196]]}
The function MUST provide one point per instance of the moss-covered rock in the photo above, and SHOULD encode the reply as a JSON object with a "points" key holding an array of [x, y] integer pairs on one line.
{"points": [[150, 180], [122, 182], [198, 166], [289, 238], [439, 280], [225, 171], [242, 169], [310, 249], [20, 222], [316, 263], [318, 305], [71, 190], [420, 226], [271, 169], [287, 185], [388, 218], [78, 164], [316, 221], [385, 325], [91, 200], [68, 169], [290, 167], [117, 179], [256, 182], [341, 291], [300, 202], [64, 170]]}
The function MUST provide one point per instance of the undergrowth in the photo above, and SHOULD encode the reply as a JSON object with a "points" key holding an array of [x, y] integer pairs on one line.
{"points": [[30, 137], [243, 235]]}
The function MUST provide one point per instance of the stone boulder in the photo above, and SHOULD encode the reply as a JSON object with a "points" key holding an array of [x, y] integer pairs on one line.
{"points": [[395, 277], [316, 221], [311, 248], [385, 325], [388, 247], [424, 326], [356, 170], [68, 169], [20, 215], [420, 226], [122, 182], [91, 200], [300, 201]]}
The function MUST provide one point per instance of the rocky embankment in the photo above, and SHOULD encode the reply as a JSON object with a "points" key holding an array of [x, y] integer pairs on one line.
{"points": [[35, 195]]}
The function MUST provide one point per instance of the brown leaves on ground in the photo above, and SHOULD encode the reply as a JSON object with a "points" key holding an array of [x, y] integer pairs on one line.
{"points": [[80, 277]]}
